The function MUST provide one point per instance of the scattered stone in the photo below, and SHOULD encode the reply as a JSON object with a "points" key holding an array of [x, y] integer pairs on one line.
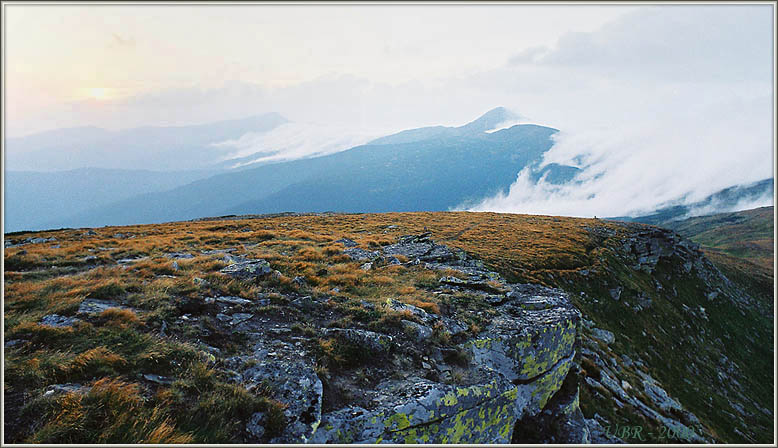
{"points": [[424, 316], [14, 342], [255, 426], [232, 300], [420, 332], [294, 383], [367, 266], [55, 320], [616, 293], [130, 260], [159, 379], [347, 242], [248, 270], [179, 255], [603, 335], [359, 254], [454, 327], [97, 306], [422, 248], [374, 342], [217, 251], [299, 281], [67, 388], [659, 396], [200, 282], [472, 284]]}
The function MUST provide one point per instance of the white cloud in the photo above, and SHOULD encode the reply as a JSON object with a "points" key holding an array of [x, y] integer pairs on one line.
{"points": [[644, 139], [293, 141]]}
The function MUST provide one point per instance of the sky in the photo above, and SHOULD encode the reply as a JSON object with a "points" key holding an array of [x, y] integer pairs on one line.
{"points": [[653, 102]]}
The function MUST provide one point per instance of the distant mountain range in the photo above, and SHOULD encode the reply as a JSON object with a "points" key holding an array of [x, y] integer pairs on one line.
{"points": [[159, 174], [171, 148], [429, 169], [729, 199]]}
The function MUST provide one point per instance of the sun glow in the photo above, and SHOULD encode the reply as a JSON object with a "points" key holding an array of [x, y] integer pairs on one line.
{"points": [[100, 93]]}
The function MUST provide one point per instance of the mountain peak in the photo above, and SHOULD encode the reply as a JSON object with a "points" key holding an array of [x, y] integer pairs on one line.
{"points": [[491, 120]]}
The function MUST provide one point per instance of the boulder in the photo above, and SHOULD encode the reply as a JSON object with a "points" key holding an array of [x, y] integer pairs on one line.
{"points": [[294, 383], [375, 343], [419, 332], [248, 270]]}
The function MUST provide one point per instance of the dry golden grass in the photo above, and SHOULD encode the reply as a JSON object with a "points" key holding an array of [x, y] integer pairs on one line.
{"points": [[199, 407], [119, 317]]}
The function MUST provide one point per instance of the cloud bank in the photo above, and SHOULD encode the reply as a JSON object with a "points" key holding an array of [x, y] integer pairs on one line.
{"points": [[671, 102], [292, 141]]}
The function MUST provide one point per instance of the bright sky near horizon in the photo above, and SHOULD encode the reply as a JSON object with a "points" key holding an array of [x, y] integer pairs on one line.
{"points": [[65, 54]]}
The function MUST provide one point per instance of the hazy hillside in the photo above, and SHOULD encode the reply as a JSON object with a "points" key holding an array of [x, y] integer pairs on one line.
{"points": [[737, 197], [455, 167], [158, 148], [260, 329], [39, 200]]}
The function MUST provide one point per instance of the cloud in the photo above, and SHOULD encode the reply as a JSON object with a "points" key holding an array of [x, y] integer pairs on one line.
{"points": [[293, 141], [667, 103]]}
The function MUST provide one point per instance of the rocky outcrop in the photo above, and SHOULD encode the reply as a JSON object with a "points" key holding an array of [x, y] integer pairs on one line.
{"points": [[515, 365], [518, 363], [478, 390]]}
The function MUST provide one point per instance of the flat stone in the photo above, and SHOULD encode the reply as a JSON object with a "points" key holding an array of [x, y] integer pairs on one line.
{"points": [[55, 320], [67, 388], [603, 335], [359, 254], [423, 315], [158, 379], [232, 300], [374, 342], [97, 306], [248, 270], [347, 242], [294, 383], [178, 255]]}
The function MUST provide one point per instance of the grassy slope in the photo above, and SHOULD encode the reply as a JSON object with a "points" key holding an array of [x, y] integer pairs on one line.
{"points": [[579, 255], [739, 243]]}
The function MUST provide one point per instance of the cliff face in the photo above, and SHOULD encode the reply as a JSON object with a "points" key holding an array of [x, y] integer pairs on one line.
{"points": [[402, 328]]}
